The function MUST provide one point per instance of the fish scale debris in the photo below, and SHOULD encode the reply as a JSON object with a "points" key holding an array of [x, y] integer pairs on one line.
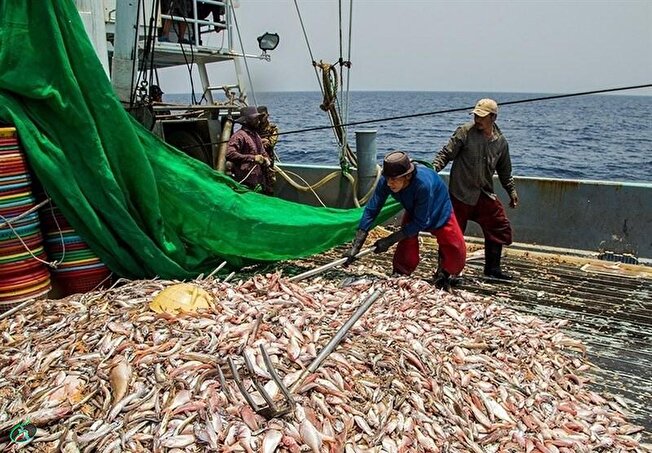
{"points": [[423, 370]]}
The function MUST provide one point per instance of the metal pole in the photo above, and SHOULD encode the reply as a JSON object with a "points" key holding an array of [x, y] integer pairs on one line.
{"points": [[338, 337], [124, 53], [220, 157], [330, 265], [205, 83], [365, 148], [195, 25]]}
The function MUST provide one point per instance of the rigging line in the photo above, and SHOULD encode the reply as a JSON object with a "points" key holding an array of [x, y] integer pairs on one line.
{"points": [[339, 9], [191, 63], [344, 94], [244, 56], [348, 68], [340, 99], [148, 49], [438, 112], [339, 4], [154, 37], [305, 36]]}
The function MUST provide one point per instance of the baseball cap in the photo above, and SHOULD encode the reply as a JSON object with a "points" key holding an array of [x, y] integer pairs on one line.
{"points": [[484, 107]]}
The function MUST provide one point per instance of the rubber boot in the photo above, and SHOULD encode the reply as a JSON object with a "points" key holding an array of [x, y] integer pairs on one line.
{"points": [[442, 278], [492, 255]]}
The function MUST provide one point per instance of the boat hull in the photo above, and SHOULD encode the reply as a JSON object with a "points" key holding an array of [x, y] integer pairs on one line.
{"points": [[596, 216]]}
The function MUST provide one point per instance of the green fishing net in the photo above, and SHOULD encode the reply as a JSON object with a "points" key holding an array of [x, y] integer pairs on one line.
{"points": [[145, 208]]}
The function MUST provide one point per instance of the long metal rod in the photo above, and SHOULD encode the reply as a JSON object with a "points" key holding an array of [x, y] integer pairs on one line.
{"points": [[6, 314], [328, 266], [337, 338]]}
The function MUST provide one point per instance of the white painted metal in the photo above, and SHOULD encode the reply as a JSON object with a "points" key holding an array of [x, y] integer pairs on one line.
{"points": [[125, 56], [92, 16]]}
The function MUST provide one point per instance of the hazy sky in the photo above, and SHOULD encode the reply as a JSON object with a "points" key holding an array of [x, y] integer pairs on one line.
{"points": [[490, 46]]}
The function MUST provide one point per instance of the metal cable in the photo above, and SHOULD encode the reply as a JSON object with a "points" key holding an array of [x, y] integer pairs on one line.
{"points": [[244, 57], [148, 50], [348, 58], [502, 104], [345, 140], [438, 112], [191, 63], [305, 35]]}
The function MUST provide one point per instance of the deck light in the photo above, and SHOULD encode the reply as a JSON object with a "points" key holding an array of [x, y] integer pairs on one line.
{"points": [[268, 41]]}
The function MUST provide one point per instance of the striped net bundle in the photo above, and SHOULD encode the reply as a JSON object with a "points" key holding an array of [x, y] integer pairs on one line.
{"points": [[78, 268], [23, 273]]}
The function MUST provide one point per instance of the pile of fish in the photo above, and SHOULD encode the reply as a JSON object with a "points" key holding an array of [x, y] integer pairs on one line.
{"points": [[423, 370]]}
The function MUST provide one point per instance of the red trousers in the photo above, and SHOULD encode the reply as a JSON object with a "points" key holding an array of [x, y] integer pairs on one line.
{"points": [[489, 214], [452, 249]]}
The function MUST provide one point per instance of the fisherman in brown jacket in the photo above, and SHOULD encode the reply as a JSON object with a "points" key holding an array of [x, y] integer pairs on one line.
{"points": [[269, 134], [245, 150], [478, 149]]}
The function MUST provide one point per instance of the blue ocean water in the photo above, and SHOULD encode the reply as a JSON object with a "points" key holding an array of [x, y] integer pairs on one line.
{"points": [[605, 137]]}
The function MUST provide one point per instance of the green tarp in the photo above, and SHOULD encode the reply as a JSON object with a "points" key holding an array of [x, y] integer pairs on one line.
{"points": [[143, 207]]}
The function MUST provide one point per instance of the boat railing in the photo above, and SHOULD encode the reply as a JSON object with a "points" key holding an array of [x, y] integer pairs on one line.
{"points": [[200, 26]]}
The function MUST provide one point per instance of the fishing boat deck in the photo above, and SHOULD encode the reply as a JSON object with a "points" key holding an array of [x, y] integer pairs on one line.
{"points": [[608, 306]]}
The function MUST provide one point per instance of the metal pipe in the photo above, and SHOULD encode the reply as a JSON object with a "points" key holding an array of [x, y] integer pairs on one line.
{"points": [[365, 148], [325, 267], [205, 83], [337, 338], [220, 158], [190, 20], [19, 307], [195, 26]]}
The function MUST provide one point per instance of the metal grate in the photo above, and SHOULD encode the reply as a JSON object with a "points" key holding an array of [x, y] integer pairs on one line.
{"points": [[626, 258]]}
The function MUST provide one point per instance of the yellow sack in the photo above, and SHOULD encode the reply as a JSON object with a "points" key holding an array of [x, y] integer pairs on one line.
{"points": [[183, 297]]}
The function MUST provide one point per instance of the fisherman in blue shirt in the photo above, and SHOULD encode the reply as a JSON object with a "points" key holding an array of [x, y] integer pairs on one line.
{"points": [[428, 207]]}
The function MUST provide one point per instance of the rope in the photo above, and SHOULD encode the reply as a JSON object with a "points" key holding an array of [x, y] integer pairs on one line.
{"points": [[248, 174], [24, 214], [328, 83], [329, 74], [312, 188], [7, 222], [339, 105], [359, 202], [379, 172], [309, 186]]}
